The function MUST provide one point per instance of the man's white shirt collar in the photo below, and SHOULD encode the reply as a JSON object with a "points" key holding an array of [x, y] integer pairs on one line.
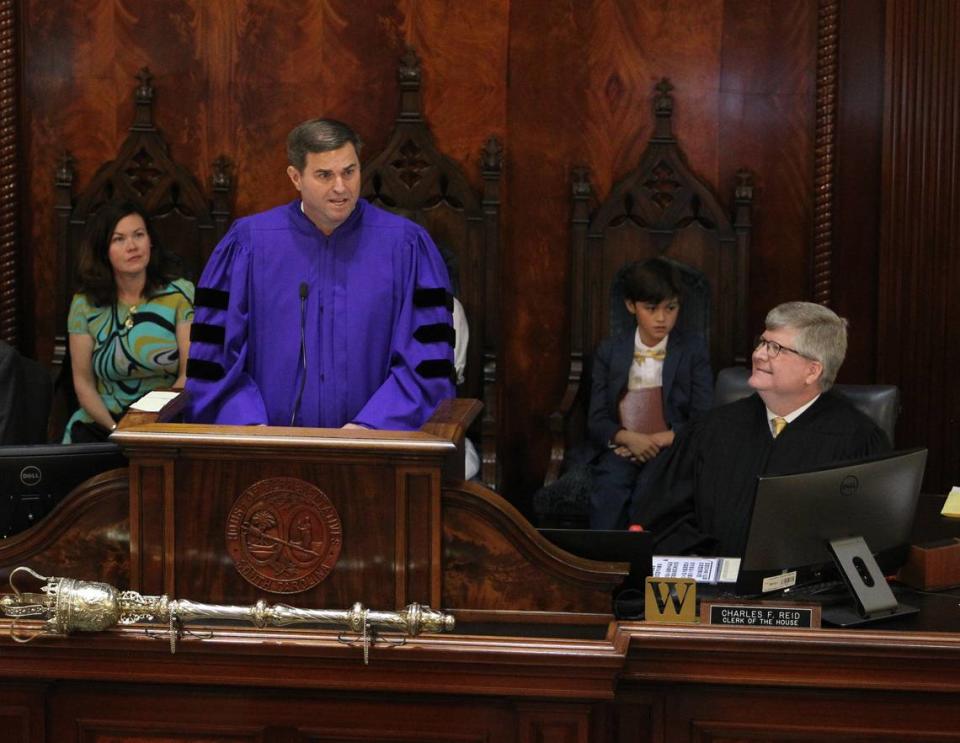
{"points": [[791, 416], [641, 346]]}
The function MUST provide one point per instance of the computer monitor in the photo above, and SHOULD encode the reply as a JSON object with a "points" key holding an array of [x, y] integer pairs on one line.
{"points": [[805, 529], [33, 479]]}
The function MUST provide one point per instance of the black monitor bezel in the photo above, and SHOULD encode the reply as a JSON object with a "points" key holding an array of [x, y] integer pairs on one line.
{"points": [[889, 556], [61, 467]]}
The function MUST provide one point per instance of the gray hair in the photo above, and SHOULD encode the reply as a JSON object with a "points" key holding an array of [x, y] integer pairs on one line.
{"points": [[318, 135], [821, 334]]}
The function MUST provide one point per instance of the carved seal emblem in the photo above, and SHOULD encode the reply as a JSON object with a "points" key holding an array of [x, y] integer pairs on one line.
{"points": [[284, 535]]}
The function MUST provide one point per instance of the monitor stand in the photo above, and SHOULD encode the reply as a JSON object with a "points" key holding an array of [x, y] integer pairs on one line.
{"points": [[874, 601]]}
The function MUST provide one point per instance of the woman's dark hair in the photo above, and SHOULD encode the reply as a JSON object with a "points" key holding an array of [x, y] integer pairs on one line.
{"points": [[94, 272], [652, 281]]}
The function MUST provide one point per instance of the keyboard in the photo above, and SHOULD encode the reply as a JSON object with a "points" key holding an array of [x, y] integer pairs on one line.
{"points": [[824, 591]]}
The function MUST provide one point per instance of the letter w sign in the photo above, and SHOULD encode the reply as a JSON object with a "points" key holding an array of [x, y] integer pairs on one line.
{"points": [[671, 600]]}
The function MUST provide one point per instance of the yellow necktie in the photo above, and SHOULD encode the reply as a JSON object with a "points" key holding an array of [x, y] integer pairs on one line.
{"points": [[778, 425], [655, 355]]}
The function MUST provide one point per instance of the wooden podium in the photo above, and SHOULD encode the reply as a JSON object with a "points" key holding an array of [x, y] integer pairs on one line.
{"points": [[317, 518]]}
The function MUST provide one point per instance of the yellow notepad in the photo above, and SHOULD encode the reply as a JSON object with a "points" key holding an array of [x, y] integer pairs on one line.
{"points": [[951, 508]]}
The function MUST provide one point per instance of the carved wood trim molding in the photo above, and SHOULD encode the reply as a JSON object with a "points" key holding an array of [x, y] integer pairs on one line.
{"points": [[824, 144], [9, 184]]}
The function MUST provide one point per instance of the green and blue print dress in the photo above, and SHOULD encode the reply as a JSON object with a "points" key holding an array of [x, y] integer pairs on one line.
{"points": [[132, 358]]}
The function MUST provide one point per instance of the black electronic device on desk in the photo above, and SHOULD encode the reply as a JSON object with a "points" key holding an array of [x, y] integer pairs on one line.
{"points": [[33, 479], [849, 522], [634, 547]]}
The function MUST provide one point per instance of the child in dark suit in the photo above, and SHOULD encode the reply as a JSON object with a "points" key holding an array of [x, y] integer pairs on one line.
{"points": [[647, 385]]}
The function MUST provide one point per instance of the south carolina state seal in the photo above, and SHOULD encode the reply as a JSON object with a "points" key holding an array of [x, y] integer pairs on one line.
{"points": [[284, 535]]}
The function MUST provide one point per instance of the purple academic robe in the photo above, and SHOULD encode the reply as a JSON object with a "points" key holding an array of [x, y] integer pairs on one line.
{"points": [[379, 338]]}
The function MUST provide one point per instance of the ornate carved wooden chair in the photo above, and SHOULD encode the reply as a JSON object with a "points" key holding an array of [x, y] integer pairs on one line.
{"points": [[659, 209], [413, 178], [186, 222]]}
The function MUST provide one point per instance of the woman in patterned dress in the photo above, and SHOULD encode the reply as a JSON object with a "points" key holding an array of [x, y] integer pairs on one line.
{"points": [[129, 323]]}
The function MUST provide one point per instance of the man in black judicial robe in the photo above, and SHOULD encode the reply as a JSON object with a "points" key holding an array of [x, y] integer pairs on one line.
{"points": [[698, 500]]}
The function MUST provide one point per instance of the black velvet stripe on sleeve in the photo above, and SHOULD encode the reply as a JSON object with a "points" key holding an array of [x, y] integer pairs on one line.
{"points": [[436, 333], [209, 371], [202, 332], [215, 299], [433, 368], [437, 297]]}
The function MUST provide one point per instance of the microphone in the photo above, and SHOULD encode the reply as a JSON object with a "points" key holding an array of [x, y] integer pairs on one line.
{"points": [[303, 349]]}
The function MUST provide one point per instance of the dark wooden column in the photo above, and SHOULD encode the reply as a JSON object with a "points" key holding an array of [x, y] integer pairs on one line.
{"points": [[918, 333]]}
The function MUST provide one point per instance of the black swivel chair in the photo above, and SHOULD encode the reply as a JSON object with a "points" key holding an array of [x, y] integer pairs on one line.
{"points": [[26, 392], [881, 402]]}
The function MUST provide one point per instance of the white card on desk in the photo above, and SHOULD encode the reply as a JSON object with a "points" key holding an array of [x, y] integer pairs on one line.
{"points": [[700, 569], [951, 508]]}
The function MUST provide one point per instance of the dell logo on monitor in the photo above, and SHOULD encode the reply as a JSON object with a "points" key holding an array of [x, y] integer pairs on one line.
{"points": [[30, 475], [849, 485]]}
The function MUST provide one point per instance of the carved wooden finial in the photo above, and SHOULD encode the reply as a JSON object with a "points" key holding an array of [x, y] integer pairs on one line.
{"points": [[409, 75], [66, 171], [581, 182], [663, 101], [144, 92], [143, 97], [663, 112], [409, 70], [743, 191], [221, 174], [491, 157]]}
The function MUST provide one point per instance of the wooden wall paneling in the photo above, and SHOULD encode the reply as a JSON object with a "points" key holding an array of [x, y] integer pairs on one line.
{"points": [[77, 87], [766, 124], [22, 712], [111, 713], [855, 215], [546, 724], [919, 268], [463, 51], [545, 130], [720, 715]]}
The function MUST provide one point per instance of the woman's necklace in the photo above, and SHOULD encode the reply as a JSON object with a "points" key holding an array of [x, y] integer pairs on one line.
{"points": [[131, 311]]}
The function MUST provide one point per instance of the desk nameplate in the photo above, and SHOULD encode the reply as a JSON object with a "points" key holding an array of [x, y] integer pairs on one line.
{"points": [[766, 614]]}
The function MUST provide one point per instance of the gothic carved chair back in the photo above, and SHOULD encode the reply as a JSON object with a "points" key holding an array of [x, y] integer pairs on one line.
{"points": [[411, 177], [659, 209], [186, 222]]}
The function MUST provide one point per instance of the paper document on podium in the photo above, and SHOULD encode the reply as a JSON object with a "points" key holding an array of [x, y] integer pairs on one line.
{"points": [[701, 569], [153, 402]]}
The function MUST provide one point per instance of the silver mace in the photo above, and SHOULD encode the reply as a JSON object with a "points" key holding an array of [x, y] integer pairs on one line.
{"points": [[68, 605]]}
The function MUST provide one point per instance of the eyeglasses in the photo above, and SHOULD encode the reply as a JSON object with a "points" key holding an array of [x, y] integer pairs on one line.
{"points": [[773, 348]]}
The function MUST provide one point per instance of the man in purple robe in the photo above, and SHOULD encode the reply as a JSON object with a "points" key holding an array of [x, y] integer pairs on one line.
{"points": [[324, 312]]}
